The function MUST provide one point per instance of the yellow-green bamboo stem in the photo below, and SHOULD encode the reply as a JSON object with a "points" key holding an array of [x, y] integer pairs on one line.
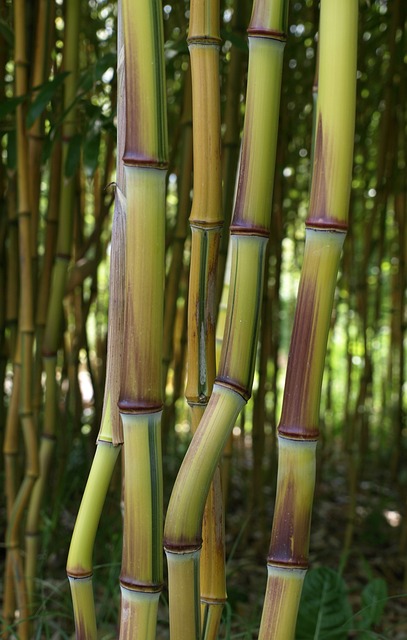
{"points": [[206, 215], [249, 233], [206, 223], [326, 228], [79, 563], [232, 123], [212, 576], [141, 393]]}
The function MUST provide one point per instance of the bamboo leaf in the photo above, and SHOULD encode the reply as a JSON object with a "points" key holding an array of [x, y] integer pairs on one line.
{"points": [[238, 41], [102, 65], [374, 597], [11, 149], [325, 612], [73, 156], [95, 72], [43, 97], [9, 105], [6, 33], [174, 48], [91, 152]]}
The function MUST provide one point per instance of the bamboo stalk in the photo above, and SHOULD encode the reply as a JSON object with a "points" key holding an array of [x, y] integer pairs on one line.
{"points": [[26, 328], [249, 233], [79, 564], [206, 223], [325, 231], [141, 394]]}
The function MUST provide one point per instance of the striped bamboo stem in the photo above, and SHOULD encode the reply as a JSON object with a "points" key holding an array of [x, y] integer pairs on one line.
{"points": [[79, 564], [206, 215], [141, 394], [249, 234], [206, 224], [232, 124], [325, 232]]}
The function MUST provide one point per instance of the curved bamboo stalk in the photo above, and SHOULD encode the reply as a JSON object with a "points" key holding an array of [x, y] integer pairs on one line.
{"points": [[249, 233], [141, 394], [325, 231], [206, 223], [79, 564]]}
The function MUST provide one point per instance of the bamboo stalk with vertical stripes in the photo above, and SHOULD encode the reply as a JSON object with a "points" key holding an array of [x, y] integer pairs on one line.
{"points": [[249, 234], [325, 232]]}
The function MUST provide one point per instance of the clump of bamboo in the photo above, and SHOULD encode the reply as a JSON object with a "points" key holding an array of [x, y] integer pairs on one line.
{"points": [[325, 232], [141, 389], [249, 234]]}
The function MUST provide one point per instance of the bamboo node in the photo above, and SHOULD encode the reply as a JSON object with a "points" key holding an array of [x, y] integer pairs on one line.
{"points": [[299, 432], [327, 223], [271, 34], [289, 564], [134, 406], [128, 583], [204, 41], [234, 386], [134, 159], [243, 229]]}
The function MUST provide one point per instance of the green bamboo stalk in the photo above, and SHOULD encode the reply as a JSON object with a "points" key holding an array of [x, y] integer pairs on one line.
{"points": [[206, 215], [325, 231], [79, 564], [232, 123], [249, 233], [141, 393], [206, 223]]}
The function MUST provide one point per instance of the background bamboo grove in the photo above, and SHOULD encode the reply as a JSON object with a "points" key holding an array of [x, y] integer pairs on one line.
{"points": [[177, 180]]}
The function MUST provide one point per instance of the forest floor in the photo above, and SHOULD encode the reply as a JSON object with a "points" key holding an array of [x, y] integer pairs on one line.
{"points": [[376, 552]]}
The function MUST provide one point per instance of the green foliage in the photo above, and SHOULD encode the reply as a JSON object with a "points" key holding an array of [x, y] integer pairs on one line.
{"points": [[374, 597], [326, 614], [325, 611], [43, 97]]}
